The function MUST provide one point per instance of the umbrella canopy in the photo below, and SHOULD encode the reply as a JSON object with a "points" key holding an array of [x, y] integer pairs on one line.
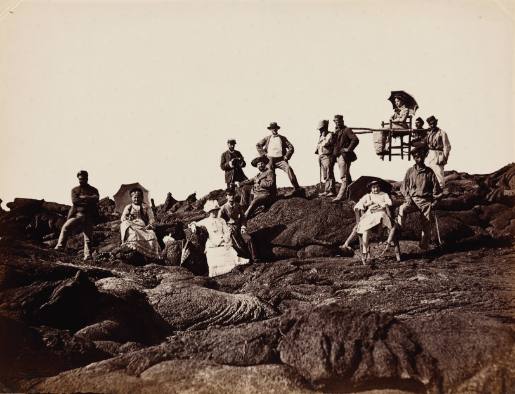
{"points": [[359, 187], [407, 99], [122, 197]]}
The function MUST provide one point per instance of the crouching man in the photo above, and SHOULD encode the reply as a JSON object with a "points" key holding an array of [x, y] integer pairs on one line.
{"points": [[233, 214], [264, 189], [421, 190]]}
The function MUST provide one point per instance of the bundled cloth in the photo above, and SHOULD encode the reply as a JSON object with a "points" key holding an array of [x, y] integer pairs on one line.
{"points": [[135, 232]]}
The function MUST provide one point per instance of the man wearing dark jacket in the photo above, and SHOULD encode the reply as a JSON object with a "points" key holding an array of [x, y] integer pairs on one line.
{"points": [[232, 163], [343, 153], [82, 213], [264, 190], [278, 150]]}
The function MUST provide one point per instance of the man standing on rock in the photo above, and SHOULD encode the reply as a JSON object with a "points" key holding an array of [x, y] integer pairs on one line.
{"points": [[419, 134], [82, 214], [439, 149], [233, 214], [325, 160], [343, 153], [421, 191], [264, 188], [279, 150], [232, 163]]}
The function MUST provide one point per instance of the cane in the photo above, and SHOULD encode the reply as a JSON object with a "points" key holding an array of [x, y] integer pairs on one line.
{"points": [[437, 229]]}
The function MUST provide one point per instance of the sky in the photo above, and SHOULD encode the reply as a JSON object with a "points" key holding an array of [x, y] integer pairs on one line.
{"points": [[150, 91]]}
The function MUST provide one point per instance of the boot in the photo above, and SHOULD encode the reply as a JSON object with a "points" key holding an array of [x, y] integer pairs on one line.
{"points": [[341, 192]]}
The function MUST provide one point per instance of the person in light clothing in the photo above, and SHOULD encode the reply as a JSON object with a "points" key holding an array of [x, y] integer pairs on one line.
{"points": [[279, 151], [221, 256], [439, 149], [324, 151], [374, 205], [136, 227]]}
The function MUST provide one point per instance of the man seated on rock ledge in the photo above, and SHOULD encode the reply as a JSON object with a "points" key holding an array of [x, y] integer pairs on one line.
{"points": [[82, 214], [264, 190], [233, 214], [421, 191]]}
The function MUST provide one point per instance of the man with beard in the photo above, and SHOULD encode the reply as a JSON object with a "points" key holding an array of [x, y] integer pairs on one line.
{"points": [[264, 189], [82, 213], [343, 153]]}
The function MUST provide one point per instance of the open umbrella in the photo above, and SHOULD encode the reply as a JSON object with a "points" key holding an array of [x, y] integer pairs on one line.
{"points": [[122, 197], [406, 98], [359, 187]]}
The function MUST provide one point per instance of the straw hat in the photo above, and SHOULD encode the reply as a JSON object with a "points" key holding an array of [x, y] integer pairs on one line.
{"points": [[211, 205]]}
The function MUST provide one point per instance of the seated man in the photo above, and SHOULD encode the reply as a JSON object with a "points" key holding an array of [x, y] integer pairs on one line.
{"points": [[136, 227], [264, 189], [221, 256], [82, 214], [421, 190], [234, 216]]}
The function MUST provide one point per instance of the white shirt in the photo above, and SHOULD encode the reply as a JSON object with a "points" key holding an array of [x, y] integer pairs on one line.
{"points": [[275, 147]]}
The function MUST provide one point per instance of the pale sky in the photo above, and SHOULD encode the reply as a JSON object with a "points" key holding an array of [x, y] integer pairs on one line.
{"points": [[150, 91]]}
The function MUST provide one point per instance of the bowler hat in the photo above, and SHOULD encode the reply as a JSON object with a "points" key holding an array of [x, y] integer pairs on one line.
{"points": [[419, 148], [419, 119], [231, 141], [255, 161], [273, 126], [338, 117], [432, 119], [323, 124]]}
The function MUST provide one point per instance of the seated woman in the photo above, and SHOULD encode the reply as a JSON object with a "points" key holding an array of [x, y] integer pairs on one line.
{"points": [[398, 122], [400, 114], [221, 256], [374, 205], [136, 227]]}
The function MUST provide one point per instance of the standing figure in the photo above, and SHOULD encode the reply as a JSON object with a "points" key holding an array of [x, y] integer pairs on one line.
{"points": [[325, 158], [82, 214], [343, 153], [221, 256], [278, 150], [137, 226], [264, 190], [419, 134], [232, 163], [439, 149], [421, 190], [233, 214]]}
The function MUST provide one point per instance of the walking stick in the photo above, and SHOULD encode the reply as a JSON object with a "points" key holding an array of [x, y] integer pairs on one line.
{"points": [[437, 229]]}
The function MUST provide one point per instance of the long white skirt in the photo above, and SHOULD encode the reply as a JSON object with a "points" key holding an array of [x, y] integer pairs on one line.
{"points": [[370, 220], [223, 259]]}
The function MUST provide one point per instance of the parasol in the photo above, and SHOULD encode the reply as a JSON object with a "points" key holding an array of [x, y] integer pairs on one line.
{"points": [[406, 98]]}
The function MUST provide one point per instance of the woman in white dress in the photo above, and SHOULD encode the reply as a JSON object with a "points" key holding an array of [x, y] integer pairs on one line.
{"points": [[221, 256], [136, 227], [375, 206]]}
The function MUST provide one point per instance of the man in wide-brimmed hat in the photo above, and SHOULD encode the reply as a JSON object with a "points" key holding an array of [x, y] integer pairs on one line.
{"points": [[232, 163], [439, 149], [421, 190], [343, 153], [264, 190], [278, 150], [82, 214], [325, 151]]}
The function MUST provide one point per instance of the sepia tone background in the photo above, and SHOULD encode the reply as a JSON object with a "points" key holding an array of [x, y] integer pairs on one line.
{"points": [[150, 91]]}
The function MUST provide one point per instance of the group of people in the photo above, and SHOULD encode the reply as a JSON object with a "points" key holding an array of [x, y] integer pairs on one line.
{"points": [[229, 242]]}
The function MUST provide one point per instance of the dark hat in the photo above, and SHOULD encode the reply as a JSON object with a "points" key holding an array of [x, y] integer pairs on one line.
{"points": [[374, 182], [231, 141], [339, 117], [255, 161], [82, 173], [323, 124], [419, 119], [432, 119], [419, 148], [273, 126], [134, 190]]}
